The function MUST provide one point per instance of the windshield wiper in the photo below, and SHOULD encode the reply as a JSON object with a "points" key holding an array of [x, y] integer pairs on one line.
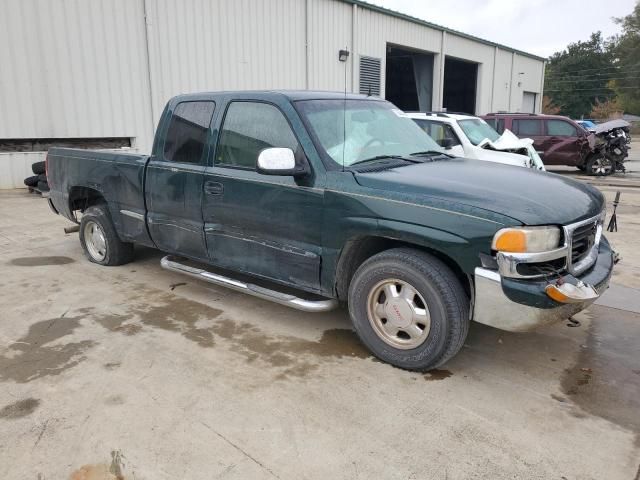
{"points": [[432, 152], [385, 157]]}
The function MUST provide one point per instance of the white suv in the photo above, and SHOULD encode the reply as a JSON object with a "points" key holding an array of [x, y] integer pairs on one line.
{"points": [[471, 137]]}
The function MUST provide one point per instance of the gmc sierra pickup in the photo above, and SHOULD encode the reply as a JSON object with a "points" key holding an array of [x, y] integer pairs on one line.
{"points": [[313, 198]]}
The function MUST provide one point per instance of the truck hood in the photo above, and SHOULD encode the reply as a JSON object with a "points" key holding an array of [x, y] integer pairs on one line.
{"points": [[529, 196]]}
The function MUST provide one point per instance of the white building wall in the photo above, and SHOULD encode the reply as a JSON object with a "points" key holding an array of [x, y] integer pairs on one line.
{"points": [[375, 30], [465, 49], [73, 69], [212, 45], [106, 68], [502, 81]]}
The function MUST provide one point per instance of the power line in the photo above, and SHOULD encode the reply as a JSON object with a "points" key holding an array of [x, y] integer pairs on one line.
{"points": [[612, 67], [592, 80], [602, 74], [591, 89]]}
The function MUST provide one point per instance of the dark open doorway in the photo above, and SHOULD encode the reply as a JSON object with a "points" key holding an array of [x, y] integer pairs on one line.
{"points": [[409, 78], [460, 79]]}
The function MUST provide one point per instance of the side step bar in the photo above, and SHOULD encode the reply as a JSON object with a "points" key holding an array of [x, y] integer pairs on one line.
{"points": [[171, 263]]}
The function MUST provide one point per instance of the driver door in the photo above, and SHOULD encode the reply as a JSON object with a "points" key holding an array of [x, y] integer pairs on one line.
{"points": [[268, 226]]}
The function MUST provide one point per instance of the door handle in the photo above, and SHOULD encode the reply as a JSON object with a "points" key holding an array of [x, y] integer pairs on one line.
{"points": [[213, 188]]}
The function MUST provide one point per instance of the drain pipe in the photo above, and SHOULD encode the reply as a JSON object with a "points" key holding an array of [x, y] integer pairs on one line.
{"points": [[147, 39]]}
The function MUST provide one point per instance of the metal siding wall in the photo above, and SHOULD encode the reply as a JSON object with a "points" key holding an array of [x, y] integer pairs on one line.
{"points": [[466, 49], [502, 81], [211, 45], [75, 69], [329, 32], [530, 80], [375, 30], [15, 167], [78, 68]]}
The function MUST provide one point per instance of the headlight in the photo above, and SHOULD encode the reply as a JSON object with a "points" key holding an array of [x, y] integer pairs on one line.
{"points": [[526, 239]]}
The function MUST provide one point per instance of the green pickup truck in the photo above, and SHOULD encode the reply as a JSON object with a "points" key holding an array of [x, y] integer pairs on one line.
{"points": [[310, 199]]}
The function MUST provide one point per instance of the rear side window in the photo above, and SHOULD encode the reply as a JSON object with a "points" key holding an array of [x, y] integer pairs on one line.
{"points": [[249, 128], [187, 132], [500, 127], [523, 126], [560, 128]]}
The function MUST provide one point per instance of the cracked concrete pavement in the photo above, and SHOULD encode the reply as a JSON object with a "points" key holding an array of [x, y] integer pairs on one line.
{"points": [[134, 372]]}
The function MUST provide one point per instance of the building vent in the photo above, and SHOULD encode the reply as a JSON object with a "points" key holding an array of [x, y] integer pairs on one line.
{"points": [[370, 76]]}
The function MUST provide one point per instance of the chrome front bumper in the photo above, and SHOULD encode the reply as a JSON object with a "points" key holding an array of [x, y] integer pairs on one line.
{"points": [[519, 305]]}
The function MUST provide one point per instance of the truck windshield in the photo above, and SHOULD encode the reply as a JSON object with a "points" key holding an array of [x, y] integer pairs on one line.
{"points": [[355, 130], [477, 130]]}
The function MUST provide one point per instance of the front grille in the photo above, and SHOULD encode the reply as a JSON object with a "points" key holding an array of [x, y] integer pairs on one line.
{"points": [[582, 240]]}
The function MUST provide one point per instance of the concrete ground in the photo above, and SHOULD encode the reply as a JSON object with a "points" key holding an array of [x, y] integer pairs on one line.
{"points": [[134, 372]]}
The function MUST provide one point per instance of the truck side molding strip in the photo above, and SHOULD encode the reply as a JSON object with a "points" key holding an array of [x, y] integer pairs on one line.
{"points": [[129, 213], [172, 263]]}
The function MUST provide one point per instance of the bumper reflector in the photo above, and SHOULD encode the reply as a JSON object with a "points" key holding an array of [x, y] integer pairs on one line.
{"points": [[569, 293]]}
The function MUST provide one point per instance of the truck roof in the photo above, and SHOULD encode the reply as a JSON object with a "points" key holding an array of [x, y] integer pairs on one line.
{"points": [[292, 95]]}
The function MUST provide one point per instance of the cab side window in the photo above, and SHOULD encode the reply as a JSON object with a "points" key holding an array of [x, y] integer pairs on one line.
{"points": [[249, 128], [560, 128], [188, 131]]}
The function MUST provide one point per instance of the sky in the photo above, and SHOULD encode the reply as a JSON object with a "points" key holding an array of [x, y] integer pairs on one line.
{"points": [[541, 27]]}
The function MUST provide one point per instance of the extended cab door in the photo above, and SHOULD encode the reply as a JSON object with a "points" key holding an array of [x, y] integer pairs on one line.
{"points": [[263, 225], [174, 180]]}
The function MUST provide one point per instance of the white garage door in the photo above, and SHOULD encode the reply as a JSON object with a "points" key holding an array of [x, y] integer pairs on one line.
{"points": [[528, 102]]}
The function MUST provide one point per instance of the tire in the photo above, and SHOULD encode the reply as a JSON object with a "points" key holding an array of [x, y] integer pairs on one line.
{"points": [[103, 246], [42, 177], [599, 166], [582, 168], [446, 322], [38, 168], [31, 181], [43, 186]]}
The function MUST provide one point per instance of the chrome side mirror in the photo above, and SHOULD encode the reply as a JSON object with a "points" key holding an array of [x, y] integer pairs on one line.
{"points": [[280, 161]]}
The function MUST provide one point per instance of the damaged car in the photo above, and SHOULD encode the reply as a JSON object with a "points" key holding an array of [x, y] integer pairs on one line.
{"points": [[471, 137], [561, 141]]}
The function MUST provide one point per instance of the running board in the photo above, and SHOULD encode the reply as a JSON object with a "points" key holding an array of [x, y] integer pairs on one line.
{"points": [[171, 263]]}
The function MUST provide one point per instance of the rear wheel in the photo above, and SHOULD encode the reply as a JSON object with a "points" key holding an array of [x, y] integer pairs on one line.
{"points": [[409, 309], [599, 166], [99, 239]]}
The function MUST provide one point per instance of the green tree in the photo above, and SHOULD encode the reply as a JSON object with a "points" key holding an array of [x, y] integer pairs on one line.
{"points": [[578, 76], [626, 48]]}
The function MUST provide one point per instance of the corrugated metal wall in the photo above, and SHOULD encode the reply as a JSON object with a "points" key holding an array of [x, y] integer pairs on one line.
{"points": [[89, 68]]}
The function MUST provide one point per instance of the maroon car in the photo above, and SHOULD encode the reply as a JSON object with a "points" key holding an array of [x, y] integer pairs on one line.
{"points": [[558, 140]]}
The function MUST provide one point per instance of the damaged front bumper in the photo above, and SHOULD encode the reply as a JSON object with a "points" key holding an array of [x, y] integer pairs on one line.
{"points": [[519, 305]]}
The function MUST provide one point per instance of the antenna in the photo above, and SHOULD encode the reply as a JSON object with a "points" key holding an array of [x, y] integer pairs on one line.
{"points": [[343, 55]]}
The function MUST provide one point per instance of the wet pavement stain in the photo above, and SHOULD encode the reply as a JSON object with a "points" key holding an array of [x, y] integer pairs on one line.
{"points": [[294, 355], [32, 356], [602, 382], [40, 261], [94, 472], [114, 400], [20, 409], [102, 471], [437, 374]]}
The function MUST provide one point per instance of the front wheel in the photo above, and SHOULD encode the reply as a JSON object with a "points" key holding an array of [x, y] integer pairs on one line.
{"points": [[99, 239], [409, 309], [599, 166]]}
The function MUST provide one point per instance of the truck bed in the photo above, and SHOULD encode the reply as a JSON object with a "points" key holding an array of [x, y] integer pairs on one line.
{"points": [[119, 177]]}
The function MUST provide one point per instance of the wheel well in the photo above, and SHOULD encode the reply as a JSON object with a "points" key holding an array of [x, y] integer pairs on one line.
{"points": [[81, 198], [358, 250]]}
